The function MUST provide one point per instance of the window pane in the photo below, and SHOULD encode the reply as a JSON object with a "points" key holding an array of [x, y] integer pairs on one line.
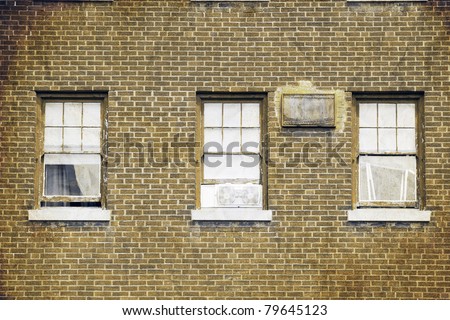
{"points": [[231, 167], [231, 140], [250, 140], [406, 140], [72, 114], [54, 114], [387, 178], [250, 114], [387, 140], [232, 115], [212, 114], [53, 139], [406, 115], [213, 140], [92, 114], [72, 139], [367, 114], [72, 175], [368, 140], [386, 115], [91, 139]]}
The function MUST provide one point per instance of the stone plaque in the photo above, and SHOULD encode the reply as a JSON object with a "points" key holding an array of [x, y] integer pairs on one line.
{"points": [[308, 110]]}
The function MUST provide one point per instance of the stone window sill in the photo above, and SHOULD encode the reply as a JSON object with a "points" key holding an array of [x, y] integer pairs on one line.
{"points": [[69, 214], [231, 214], [389, 214]]}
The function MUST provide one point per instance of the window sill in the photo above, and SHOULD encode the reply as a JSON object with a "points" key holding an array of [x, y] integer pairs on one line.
{"points": [[389, 214], [69, 214], [231, 214]]}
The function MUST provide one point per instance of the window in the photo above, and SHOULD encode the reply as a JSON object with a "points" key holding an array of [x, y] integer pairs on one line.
{"points": [[388, 151], [232, 171], [71, 170]]}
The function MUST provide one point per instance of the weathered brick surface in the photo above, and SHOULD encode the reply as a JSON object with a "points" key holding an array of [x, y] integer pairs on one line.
{"points": [[153, 57]]}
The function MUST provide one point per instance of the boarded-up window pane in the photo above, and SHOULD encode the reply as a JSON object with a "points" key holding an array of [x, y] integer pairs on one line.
{"points": [[386, 140], [250, 140], [212, 114], [232, 140], [72, 139], [406, 115], [406, 140], [231, 167], [91, 140], [386, 115], [54, 114], [368, 140], [91, 114], [250, 115], [368, 115], [213, 140], [72, 114], [53, 140], [232, 115], [387, 178]]}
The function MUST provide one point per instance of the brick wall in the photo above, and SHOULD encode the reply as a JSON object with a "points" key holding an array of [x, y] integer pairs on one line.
{"points": [[153, 57]]}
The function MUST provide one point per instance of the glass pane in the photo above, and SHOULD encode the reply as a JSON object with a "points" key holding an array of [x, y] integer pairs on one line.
{"points": [[368, 140], [367, 114], [72, 139], [53, 139], [72, 175], [250, 140], [227, 167], [387, 115], [213, 140], [387, 140], [250, 115], [232, 140], [232, 115], [91, 114], [212, 114], [250, 166], [406, 140], [54, 114], [406, 115], [388, 178], [91, 139], [72, 114]]}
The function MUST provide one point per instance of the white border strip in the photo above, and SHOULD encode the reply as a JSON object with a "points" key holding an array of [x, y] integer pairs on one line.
{"points": [[69, 214], [389, 214], [231, 214]]}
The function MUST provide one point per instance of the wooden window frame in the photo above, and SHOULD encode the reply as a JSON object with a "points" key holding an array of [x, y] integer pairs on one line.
{"points": [[44, 97], [394, 97], [261, 98]]}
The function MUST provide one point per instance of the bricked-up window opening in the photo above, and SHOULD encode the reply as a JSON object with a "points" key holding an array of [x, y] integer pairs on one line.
{"points": [[232, 166], [388, 153], [71, 157]]}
